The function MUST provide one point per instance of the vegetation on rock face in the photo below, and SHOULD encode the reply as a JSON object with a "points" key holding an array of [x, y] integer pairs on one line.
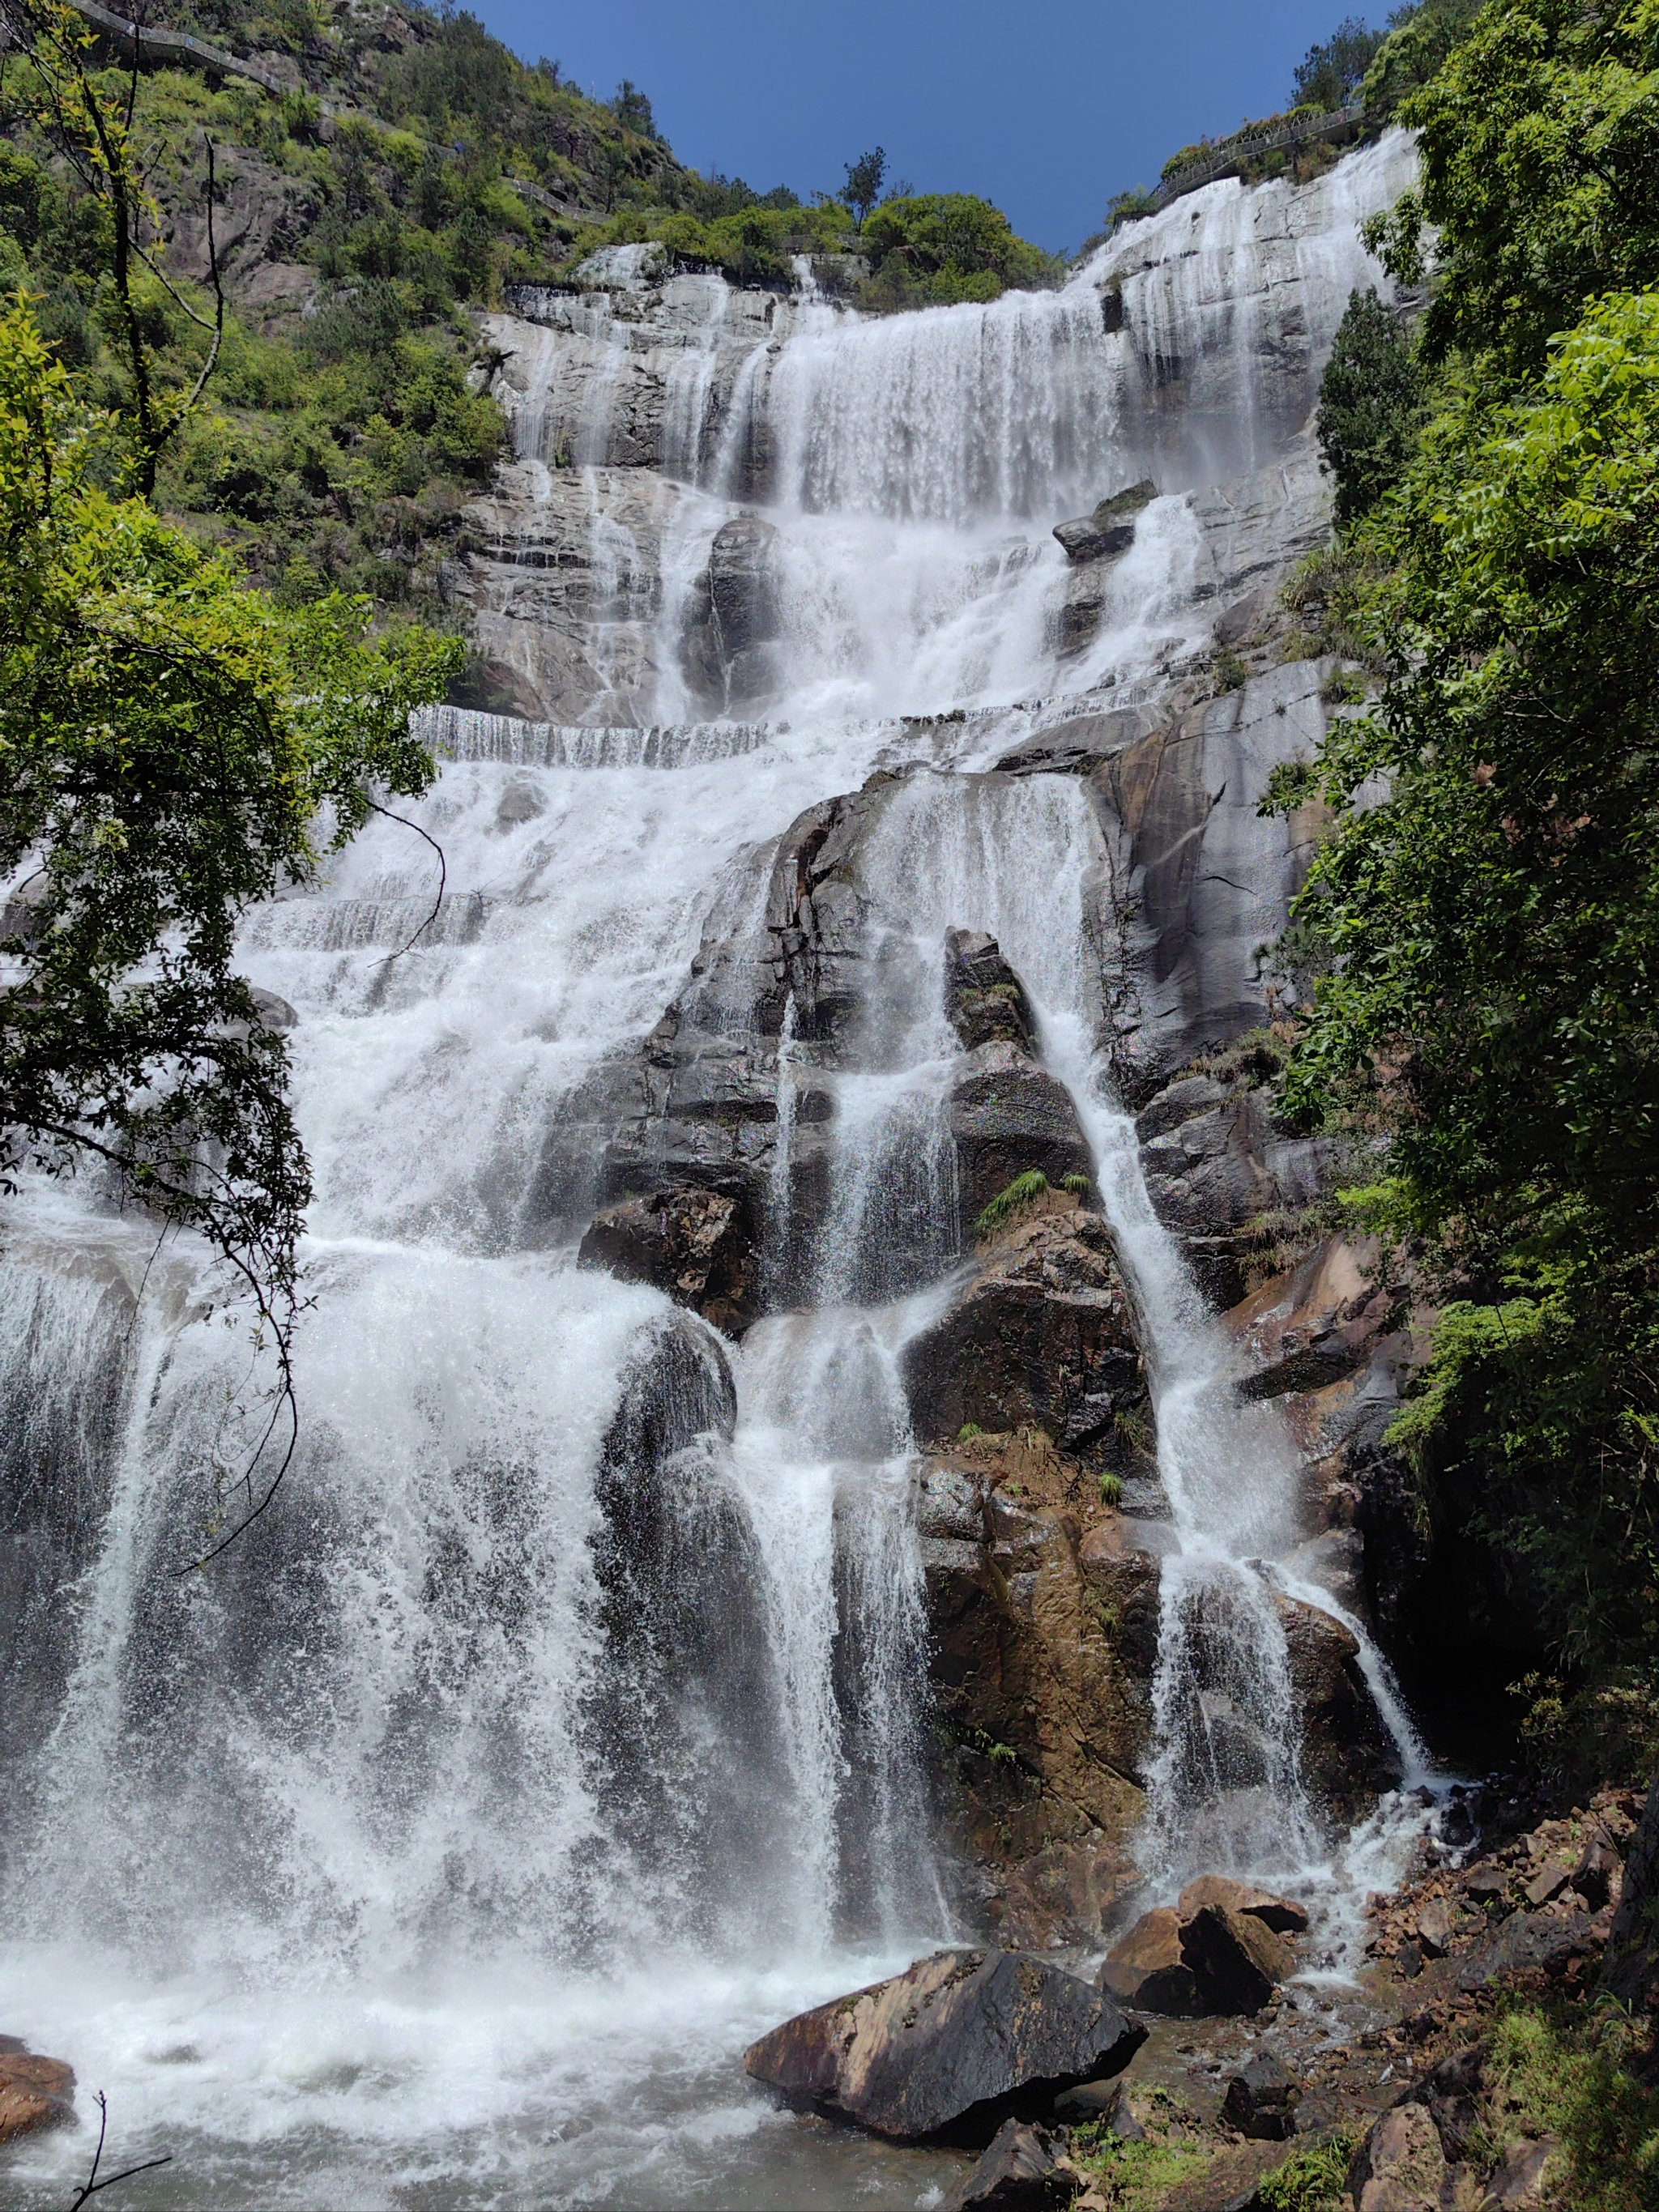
{"points": [[1490, 930], [1369, 404], [172, 748]]}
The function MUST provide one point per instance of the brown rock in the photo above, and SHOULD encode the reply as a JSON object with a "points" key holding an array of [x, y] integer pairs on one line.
{"points": [[1521, 2177], [1042, 1336], [1434, 1927], [1019, 2172], [1284, 1916], [35, 2093], [1596, 1877], [697, 1245], [1236, 1962], [1548, 1882], [1145, 1968], [961, 2041], [1261, 2100], [1399, 2164]]}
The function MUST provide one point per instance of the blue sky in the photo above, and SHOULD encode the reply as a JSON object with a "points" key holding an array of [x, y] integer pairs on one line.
{"points": [[1047, 107]]}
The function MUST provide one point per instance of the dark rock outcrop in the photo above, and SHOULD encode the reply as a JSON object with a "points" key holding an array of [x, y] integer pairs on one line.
{"points": [[984, 999], [1109, 530], [733, 625], [1019, 2172], [1008, 1115], [700, 1246], [1040, 1335], [1632, 1966], [959, 2042], [1347, 1755]]}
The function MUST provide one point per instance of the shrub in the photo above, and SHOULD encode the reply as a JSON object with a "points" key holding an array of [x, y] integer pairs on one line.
{"points": [[1024, 1190]]}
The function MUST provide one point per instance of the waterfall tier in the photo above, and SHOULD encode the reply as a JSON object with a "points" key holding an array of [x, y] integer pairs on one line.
{"points": [[834, 850]]}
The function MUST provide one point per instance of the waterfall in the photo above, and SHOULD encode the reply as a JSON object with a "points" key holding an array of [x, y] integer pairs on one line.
{"points": [[563, 1723]]}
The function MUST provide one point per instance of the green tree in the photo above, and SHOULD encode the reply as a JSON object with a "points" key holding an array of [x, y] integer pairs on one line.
{"points": [[1369, 402], [944, 246], [1330, 73], [864, 179], [173, 747], [1494, 930], [1540, 147]]}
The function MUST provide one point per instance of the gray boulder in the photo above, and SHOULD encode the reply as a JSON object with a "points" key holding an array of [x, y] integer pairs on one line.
{"points": [[957, 2044], [1110, 528]]}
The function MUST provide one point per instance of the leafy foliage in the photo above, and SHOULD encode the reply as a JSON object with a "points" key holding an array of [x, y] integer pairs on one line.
{"points": [[1331, 72], [1420, 40], [1493, 929], [1369, 405], [937, 248], [864, 179], [1539, 141], [1580, 2082], [170, 743], [1013, 1199]]}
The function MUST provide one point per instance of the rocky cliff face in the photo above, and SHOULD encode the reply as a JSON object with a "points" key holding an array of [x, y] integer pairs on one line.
{"points": [[706, 519]]}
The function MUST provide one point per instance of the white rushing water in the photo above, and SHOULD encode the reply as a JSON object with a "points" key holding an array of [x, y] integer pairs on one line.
{"points": [[562, 1725]]}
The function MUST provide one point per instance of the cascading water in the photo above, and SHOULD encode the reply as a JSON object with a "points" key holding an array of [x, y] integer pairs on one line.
{"points": [[563, 1723]]}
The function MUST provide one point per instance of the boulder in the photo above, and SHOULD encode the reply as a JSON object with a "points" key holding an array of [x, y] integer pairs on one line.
{"points": [[1185, 1964], [1261, 2100], [1110, 528], [1236, 1962], [1041, 1335], [697, 1245], [1400, 2166], [984, 999], [957, 2044], [1006, 1116], [1146, 1969], [35, 2093], [1280, 1913], [1019, 2172], [1450, 2092], [733, 624], [1348, 1756]]}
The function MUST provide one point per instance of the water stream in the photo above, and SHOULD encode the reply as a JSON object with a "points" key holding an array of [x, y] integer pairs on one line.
{"points": [[563, 1724]]}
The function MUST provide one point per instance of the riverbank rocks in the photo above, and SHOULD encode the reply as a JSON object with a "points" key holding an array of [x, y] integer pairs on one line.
{"points": [[1019, 2172], [1041, 1333], [1261, 2100], [35, 2093], [1200, 1957], [957, 2044]]}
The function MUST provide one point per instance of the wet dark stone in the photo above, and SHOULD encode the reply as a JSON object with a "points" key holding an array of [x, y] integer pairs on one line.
{"points": [[959, 2042]]}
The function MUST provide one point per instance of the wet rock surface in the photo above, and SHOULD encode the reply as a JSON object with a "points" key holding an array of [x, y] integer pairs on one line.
{"points": [[960, 2042], [35, 2092], [1020, 2171], [1041, 1333]]}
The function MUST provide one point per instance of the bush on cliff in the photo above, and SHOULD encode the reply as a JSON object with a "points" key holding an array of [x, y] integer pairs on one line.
{"points": [[173, 747], [939, 248], [1491, 927]]}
